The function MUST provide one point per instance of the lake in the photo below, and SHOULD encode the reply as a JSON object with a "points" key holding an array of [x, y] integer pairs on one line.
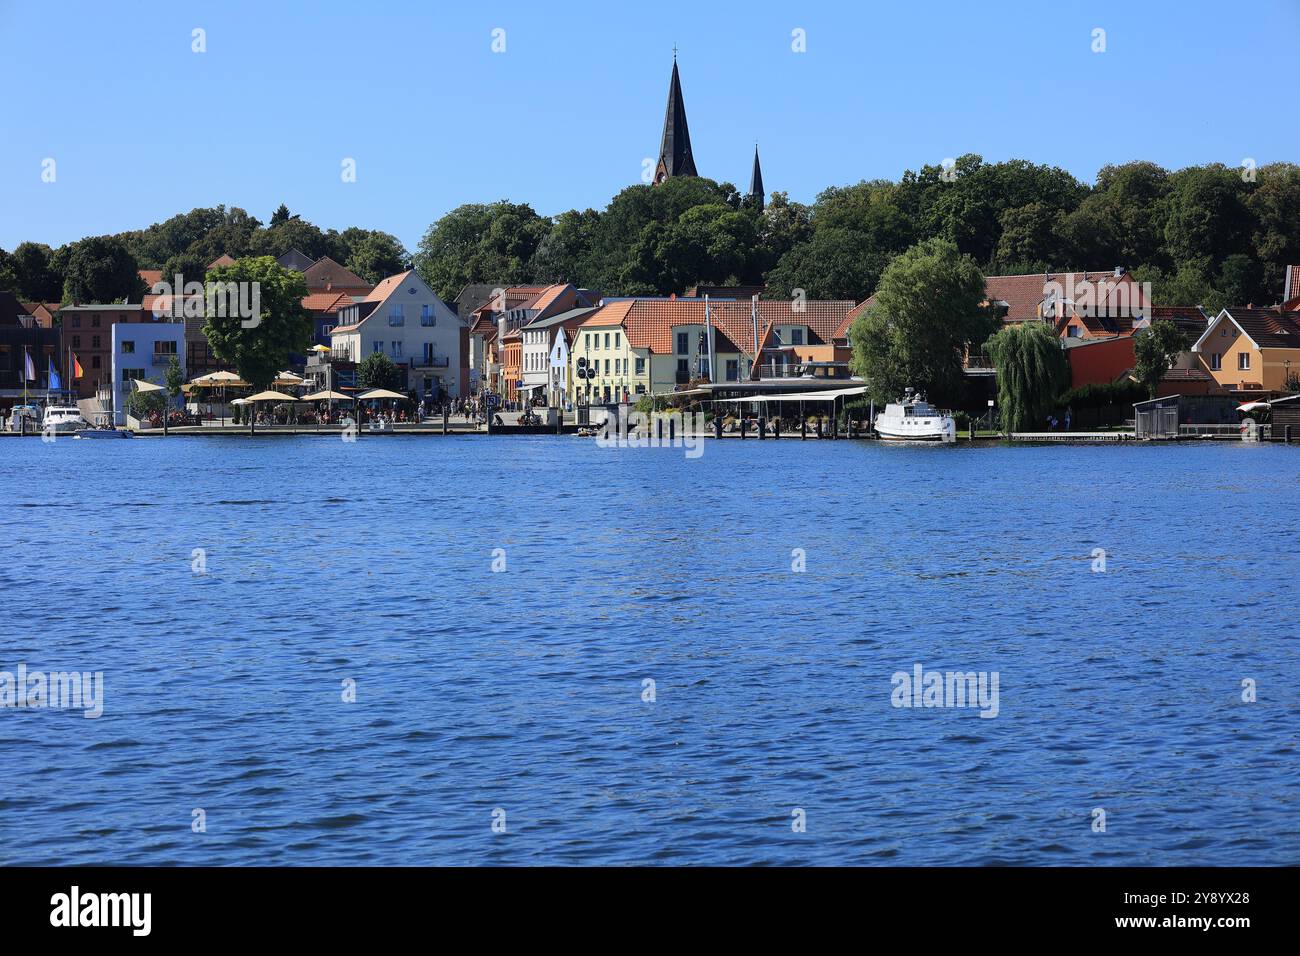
{"points": [[308, 657]]}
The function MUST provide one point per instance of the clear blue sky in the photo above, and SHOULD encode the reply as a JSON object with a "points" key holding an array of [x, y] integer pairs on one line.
{"points": [[142, 128]]}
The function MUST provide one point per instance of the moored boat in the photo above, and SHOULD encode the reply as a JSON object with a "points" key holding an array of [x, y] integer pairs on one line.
{"points": [[912, 418], [105, 433], [63, 420]]}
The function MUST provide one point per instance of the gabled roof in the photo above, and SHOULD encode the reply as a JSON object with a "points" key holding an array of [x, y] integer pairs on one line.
{"points": [[571, 318], [649, 323], [1024, 295], [150, 277], [327, 275], [515, 296], [1191, 320], [325, 301], [295, 260], [1265, 328], [221, 260]]}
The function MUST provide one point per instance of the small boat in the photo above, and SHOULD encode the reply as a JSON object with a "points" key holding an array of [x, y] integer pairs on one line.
{"points": [[63, 420], [105, 433], [912, 418], [24, 418]]}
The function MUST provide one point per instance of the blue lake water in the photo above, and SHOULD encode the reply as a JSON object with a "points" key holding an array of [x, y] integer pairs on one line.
{"points": [[522, 690]]}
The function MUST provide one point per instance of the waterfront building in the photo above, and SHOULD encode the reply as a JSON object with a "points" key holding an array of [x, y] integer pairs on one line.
{"points": [[659, 346], [1251, 351], [558, 307], [403, 318], [22, 336], [143, 350]]}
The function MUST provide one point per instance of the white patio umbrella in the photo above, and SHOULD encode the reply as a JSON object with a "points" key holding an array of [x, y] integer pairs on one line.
{"points": [[1253, 406], [220, 380]]}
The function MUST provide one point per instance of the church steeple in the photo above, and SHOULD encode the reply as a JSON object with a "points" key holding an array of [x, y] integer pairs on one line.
{"points": [[675, 157], [756, 195]]}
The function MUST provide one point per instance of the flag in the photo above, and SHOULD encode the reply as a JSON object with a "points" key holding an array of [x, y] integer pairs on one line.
{"points": [[29, 370], [55, 383], [76, 366]]}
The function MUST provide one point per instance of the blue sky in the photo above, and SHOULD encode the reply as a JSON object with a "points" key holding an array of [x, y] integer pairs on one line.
{"points": [[141, 127]]}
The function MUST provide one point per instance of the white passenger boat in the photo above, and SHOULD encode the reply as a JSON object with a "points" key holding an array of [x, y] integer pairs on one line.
{"points": [[912, 418], [63, 420]]}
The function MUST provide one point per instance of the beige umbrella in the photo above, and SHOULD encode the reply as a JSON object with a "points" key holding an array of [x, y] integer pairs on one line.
{"points": [[288, 378], [272, 397], [218, 378], [380, 393], [240, 401], [326, 396]]}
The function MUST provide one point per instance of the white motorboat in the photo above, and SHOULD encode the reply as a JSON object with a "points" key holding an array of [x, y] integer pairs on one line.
{"points": [[912, 418], [63, 420]]}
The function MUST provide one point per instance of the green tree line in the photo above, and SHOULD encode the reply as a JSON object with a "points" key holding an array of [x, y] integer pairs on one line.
{"points": [[1207, 235]]}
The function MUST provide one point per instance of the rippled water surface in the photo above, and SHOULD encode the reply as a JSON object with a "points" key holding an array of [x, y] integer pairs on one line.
{"points": [[523, 690]]}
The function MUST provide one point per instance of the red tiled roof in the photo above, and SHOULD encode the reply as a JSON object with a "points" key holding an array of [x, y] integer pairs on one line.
{"points": [[649, 323], [515, 296], [1024, 294], [221, 260], [327, 275], [1268, 328], [325, 301], [151, 276]]}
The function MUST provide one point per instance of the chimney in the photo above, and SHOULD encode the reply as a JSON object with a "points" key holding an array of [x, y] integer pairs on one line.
{"points": [[1119, 271]]}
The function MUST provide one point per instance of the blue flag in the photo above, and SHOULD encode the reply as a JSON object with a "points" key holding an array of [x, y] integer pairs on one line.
{"points": [[55, 383]]}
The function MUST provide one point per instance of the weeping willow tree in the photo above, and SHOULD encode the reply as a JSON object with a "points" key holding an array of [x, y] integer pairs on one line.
{"points": [[1031, 373]]}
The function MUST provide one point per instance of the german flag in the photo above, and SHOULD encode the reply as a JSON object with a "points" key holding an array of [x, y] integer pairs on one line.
{"points": [[76, 366]]}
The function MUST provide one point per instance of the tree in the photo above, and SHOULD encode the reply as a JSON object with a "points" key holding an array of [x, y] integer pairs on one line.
{"points": [[1031, 373], [175, 378], [280, 215], [480, 243], [377, 370], [8, 276], [188, 265], [101, 269], [1155, 349], [376, 256], [36, 280], [259, 346], [929, 308]]}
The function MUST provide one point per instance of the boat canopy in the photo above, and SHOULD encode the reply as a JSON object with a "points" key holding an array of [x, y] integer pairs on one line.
{"points": [[824, 395]]}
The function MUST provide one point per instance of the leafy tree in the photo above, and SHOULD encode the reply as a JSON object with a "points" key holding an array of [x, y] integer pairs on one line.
{"points": [[834, 264], [1031, 373], [377, 256], [1241, 281], [101, 269], [8, 275], [377, 370], [1208, 218], [175, 378], [1274, 208], [480, 243], [260, 347], [565, 250], [35, 278], [929, 308], [1155, 349], [189, 266]]}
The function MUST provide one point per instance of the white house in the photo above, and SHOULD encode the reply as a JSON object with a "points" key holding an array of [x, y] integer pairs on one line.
{"points": [[144, 351], [404, 319], [546, 354]]}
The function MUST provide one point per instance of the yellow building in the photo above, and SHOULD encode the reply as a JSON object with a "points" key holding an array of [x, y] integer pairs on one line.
{"points": [[1251, 350]]}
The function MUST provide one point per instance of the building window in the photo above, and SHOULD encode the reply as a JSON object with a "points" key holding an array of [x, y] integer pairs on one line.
{"points": [[128, 348], [76, 321], [586, 341], [397, 349], [164, 348], [1224, 331], [1216, 361], [76, 341], [94, 341], [379, 346], [606, 366], [617, 340], [683, 367], [733, 370], [640, 366], [1072, 332], [683, 343], [606, 340], [94, 361], [395, 316], [426, 315], [1243, 361], [94, 321], [130, 373], [796, 336]]}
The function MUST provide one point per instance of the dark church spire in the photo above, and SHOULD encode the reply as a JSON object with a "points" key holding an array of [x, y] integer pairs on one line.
{"points": [[675, 157], [756, 195]]}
